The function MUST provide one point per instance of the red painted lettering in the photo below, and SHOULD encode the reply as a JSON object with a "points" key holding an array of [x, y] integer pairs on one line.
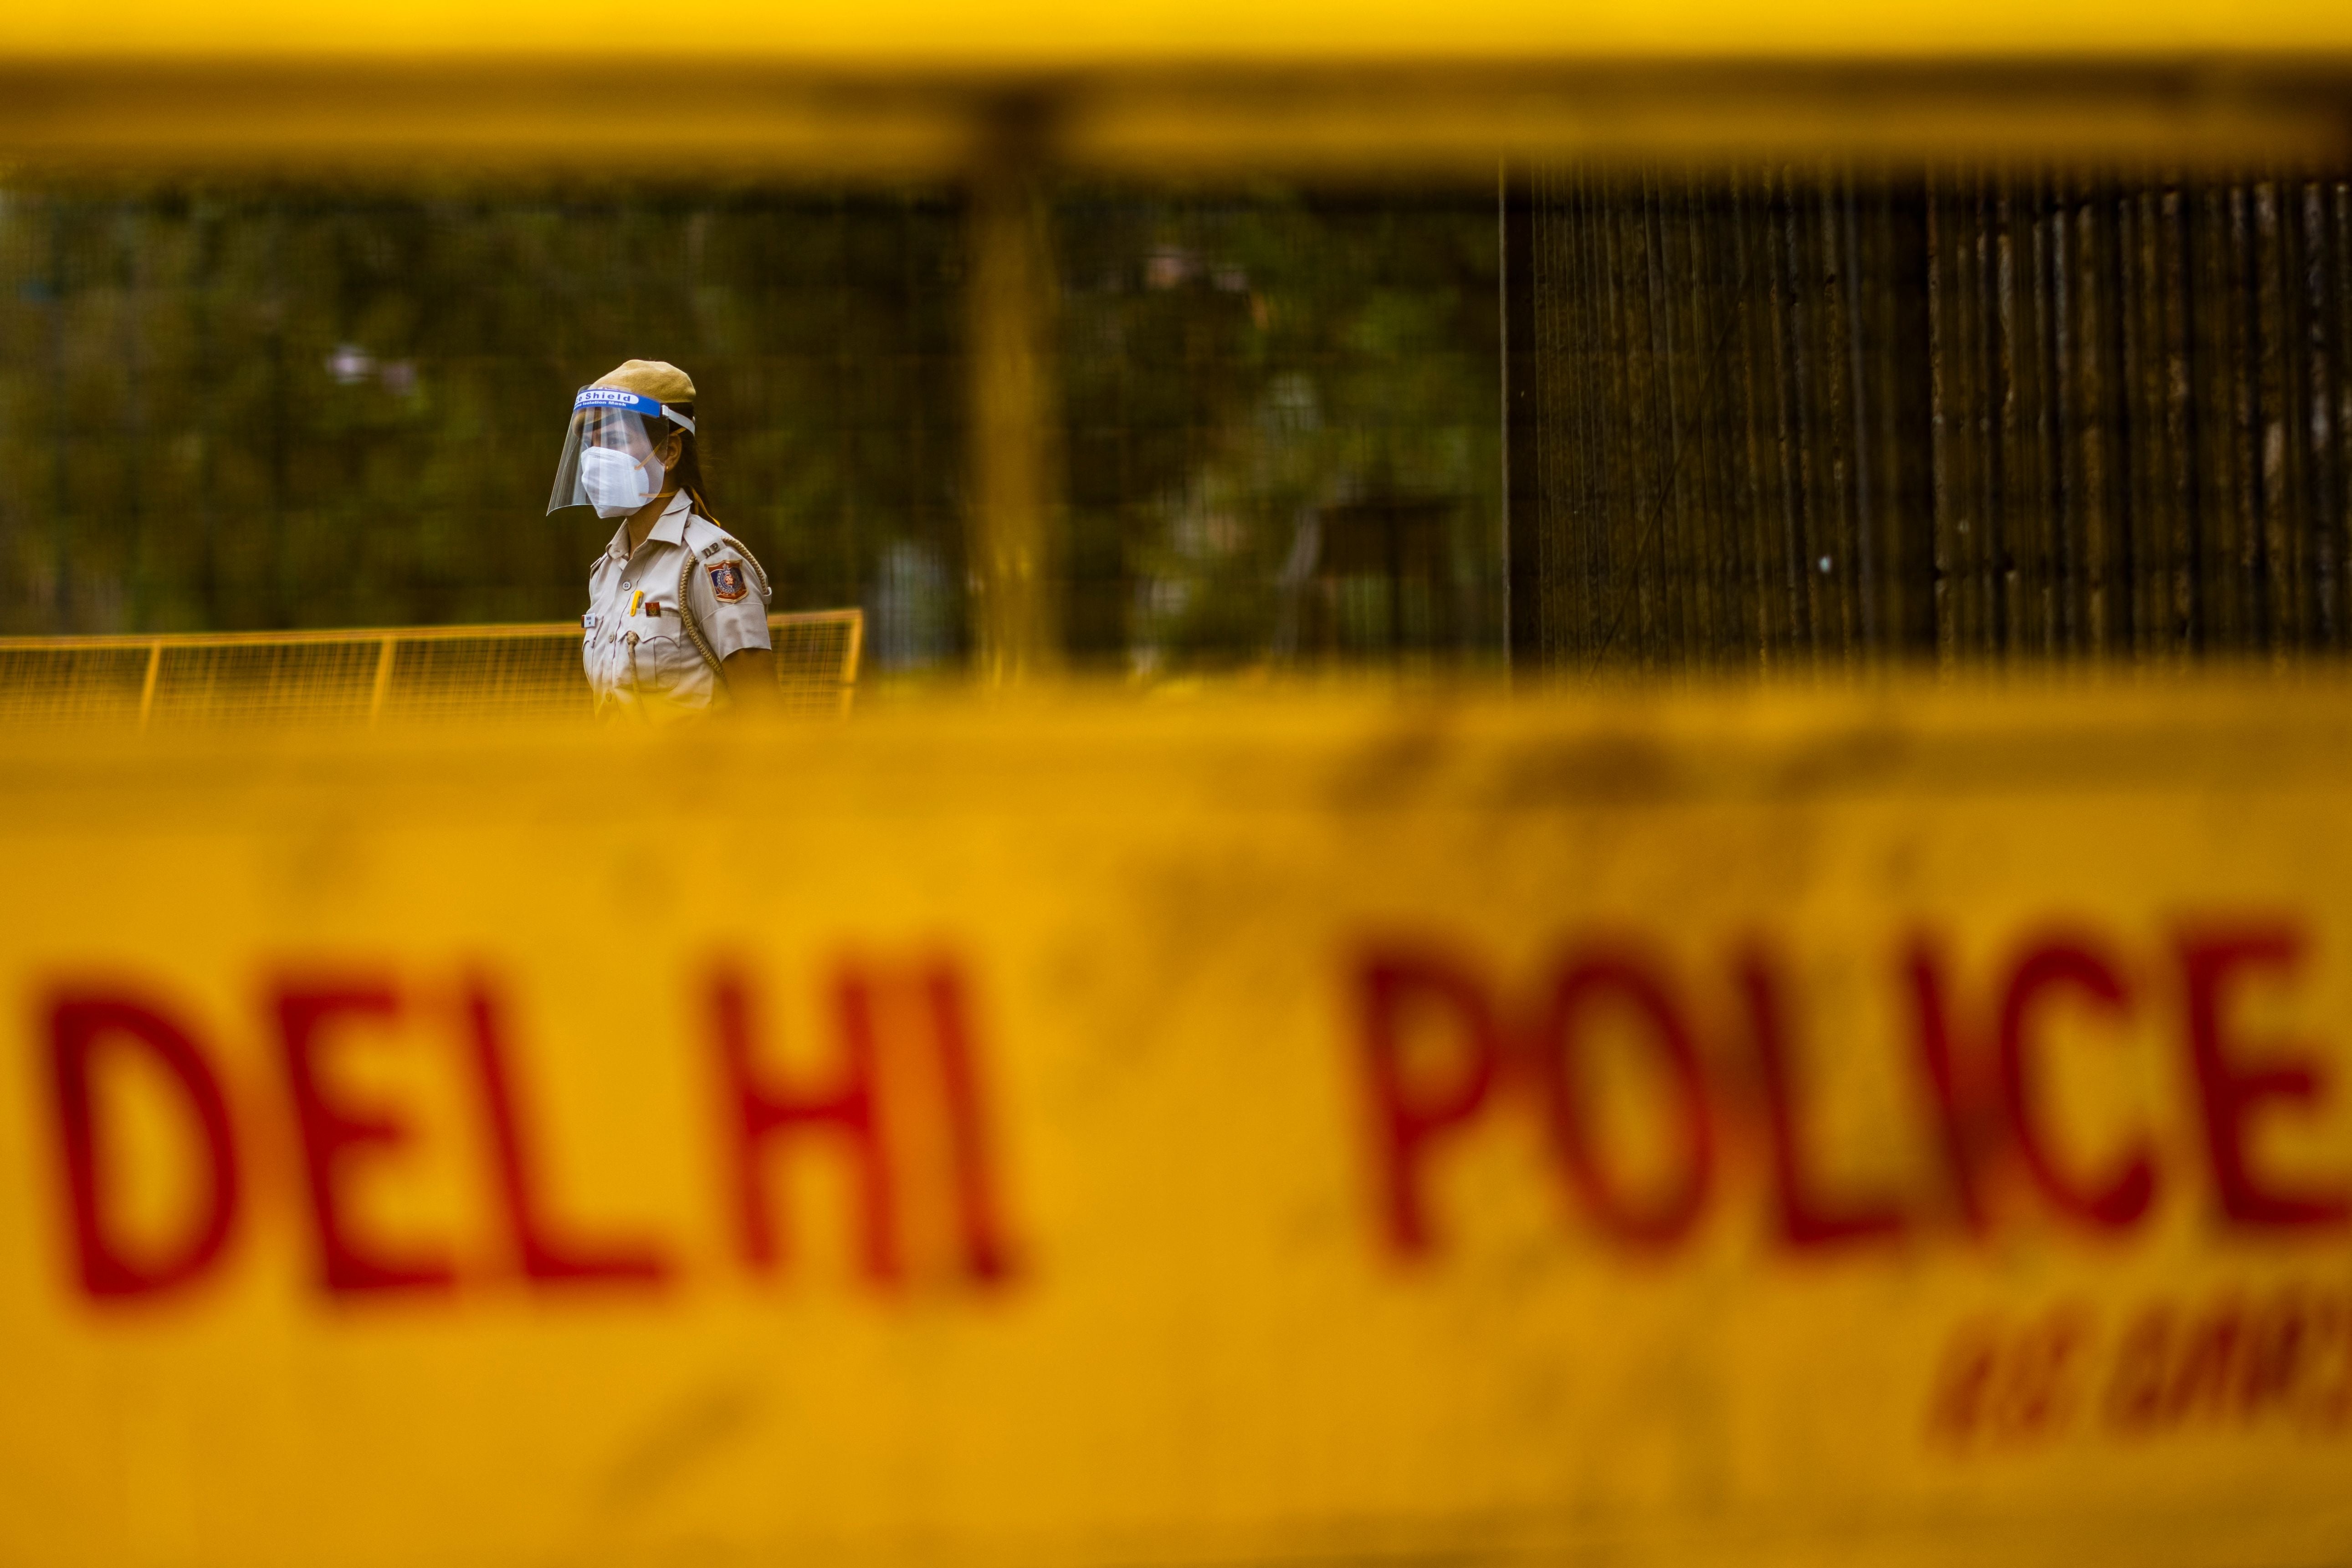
{"points": [[2277, 1343], [545, 1255], [987, 1255], [2134, 1401], [2207, 1370], [1960, 1124], [2012, 1384], [1955, 1410], [107, 1264], [2230, 1093], [334, 1131], [761, 1110], [2331, 1329], [2124, 1196], [1410, 1112], [1555, 1046], [1808, 1219]]}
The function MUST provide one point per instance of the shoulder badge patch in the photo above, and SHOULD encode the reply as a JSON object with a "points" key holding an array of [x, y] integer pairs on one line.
{"points": [[727, 583]]}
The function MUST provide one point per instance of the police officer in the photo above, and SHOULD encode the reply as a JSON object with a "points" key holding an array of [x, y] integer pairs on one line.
{"points": [[678, 609]]}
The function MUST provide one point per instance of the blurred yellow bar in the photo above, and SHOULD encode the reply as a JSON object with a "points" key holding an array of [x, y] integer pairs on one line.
{"points": [[1903, 1125], [926, 89], [954, 36]]}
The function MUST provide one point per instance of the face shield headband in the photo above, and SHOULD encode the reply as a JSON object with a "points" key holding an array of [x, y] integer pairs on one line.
{"points": [[612, 454]]}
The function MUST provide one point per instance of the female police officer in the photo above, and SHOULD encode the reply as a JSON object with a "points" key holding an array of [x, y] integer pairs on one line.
{"points": [[678, 609]]}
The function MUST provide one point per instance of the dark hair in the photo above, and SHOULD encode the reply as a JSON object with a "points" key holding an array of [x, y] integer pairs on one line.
{"points": [[687, 469]]}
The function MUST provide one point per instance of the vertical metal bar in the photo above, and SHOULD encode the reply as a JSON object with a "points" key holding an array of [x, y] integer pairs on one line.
{"points": [[2319, 425], [1954, 408], [1945, 515], [2140, 432], [1601, 400], [1559, 221], [2134, 445], [1663, 518], [2185, 354], [1711, 220], [1615, 570], [2287, 346], [1904, 430], [1796, 337], [1016, 513], [2008, 441], [853, 646], [2215, 402], [2338, 396], [147, 686], [2241, 366], [278, 596], [1789, 426], [1750, 212], [130, 232], [1524, 523], [2038, 358], [1982, 410], [1838, 422], [383, 677], [1716, 535], [1586, 343], [2063, 406], [60, 438], [1858, 280]]}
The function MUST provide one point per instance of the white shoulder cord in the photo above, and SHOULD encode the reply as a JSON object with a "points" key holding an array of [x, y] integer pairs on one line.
{"points": [[694, 627]]}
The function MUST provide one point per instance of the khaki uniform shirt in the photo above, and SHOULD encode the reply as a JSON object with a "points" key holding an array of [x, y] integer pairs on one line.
{"points": [[640, 659]]}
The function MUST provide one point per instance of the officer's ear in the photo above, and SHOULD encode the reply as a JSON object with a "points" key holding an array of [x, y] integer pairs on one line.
{"points": [[672, 447]]}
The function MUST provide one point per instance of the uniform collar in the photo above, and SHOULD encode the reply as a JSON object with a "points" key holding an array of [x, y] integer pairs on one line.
{"points": [[669, 528]]}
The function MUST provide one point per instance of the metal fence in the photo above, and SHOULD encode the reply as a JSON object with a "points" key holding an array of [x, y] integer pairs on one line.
{"points": [[393, 675], [1974, 415], [270, 408]]}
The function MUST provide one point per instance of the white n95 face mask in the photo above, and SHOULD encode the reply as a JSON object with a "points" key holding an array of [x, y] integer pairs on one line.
{"points": [[617, 484], [600, 466]]}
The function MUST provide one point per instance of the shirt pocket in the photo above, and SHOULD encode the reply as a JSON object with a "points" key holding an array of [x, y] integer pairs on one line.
{"points": [[666, 659]]}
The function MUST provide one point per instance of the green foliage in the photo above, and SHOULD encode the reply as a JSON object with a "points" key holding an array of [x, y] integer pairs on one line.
{"points": [[270, 408], [1243, 375]]}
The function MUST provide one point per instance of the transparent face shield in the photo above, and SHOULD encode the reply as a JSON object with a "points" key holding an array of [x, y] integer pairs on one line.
{"points": [[613, 456]]}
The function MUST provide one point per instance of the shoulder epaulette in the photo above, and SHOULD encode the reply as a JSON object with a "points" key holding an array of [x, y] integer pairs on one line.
{"points": [[726, 542]]}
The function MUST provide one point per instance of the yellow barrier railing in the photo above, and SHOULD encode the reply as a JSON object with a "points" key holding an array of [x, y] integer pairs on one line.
{"points": [[396, 673]]}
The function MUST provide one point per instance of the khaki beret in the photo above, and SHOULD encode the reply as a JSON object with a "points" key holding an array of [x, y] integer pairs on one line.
{"points": [[656, 379]]}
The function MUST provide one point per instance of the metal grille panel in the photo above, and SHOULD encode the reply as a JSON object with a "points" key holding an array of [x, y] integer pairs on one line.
{"points": [[1812, 416], [407, 675]]}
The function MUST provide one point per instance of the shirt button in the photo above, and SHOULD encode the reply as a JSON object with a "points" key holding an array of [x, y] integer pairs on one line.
{"points": [[625, 587]]}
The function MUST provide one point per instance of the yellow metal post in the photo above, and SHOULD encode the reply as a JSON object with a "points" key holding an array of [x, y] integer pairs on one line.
{"points": [[383, 683], [854, 645], [1016, 511], [147, 685]]}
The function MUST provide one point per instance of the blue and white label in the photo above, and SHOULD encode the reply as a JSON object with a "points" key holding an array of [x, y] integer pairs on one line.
{"points": [[615, 397]]}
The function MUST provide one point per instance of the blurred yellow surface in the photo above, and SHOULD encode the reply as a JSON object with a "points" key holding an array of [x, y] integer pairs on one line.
{"points": [[1061, 31], [1174, 1226], [922, 90]]}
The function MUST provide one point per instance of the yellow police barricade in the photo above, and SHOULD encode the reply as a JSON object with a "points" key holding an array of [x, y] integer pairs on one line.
{"points": [[414, 674], [1897, 1127]]}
